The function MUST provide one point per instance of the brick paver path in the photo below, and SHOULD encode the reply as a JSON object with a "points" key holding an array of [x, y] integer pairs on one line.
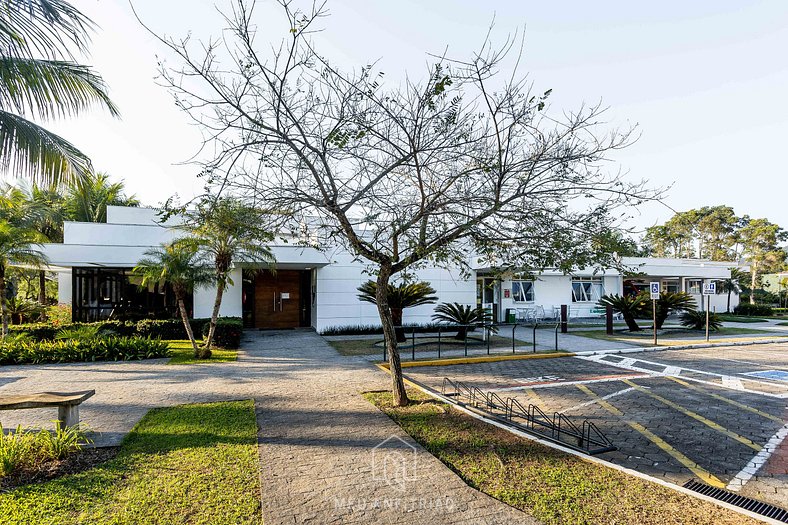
{"points": [[327, 455]]}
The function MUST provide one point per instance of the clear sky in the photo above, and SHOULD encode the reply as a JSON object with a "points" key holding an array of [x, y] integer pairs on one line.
{"points": [[705, 81]]}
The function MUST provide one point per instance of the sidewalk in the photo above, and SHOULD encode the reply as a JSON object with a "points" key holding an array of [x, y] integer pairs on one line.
{"points": [[329, 456]]}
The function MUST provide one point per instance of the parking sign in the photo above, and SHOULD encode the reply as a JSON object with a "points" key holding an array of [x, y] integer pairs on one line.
{"points": [[655, 289], [709, 288]]}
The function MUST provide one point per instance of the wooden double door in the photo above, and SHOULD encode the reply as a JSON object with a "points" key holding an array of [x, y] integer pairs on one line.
{"points": [[278, 300]]}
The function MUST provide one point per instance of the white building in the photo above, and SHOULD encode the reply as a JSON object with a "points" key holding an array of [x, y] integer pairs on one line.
{"points": [[312, 288]]}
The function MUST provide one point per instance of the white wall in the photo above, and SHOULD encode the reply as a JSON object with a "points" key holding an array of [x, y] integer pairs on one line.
{"points": [[337, 295], [64, 287], [101, 234], [204, 298]]}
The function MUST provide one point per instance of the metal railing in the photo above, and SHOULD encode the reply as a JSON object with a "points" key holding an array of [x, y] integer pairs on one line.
{"points": [[441, 344], [558, 428]]}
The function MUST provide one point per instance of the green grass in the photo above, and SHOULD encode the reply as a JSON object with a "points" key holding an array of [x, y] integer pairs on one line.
{"points": [[194, 464], [554, 487], [783, 324], [183, 354], [367, 346], [730, 318]]}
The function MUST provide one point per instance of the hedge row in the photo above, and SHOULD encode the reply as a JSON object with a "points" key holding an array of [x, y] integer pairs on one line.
{"points": [[109, 348], [753, 309], [228, 329]]}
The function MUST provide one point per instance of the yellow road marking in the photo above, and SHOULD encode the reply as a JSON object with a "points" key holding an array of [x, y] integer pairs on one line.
{"points": [[709, 423], [533, 397], [699, 471], [726, 400]]}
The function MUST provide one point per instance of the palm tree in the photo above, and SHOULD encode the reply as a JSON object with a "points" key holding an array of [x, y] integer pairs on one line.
{"points": [[46, 212], [731, 285], [226, 231], [17, 246], [88, 199], [39, 78], [399, 297], [629, 306], [178, 265]]}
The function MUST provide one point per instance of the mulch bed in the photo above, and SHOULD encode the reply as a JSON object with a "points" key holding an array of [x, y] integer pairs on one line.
{"points": [[83, 460]]}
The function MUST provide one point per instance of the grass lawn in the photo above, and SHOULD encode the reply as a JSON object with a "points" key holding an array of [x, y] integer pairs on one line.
{"points": [[554, 487], [194, 464], [183, 354], [367, 346], [783, 324], [675, 336]]}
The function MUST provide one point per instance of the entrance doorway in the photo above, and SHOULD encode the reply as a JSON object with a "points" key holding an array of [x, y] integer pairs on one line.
{"points": [[488, 295], [277, 301]]}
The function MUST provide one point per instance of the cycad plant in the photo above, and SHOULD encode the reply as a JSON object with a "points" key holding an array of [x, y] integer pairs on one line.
{"points": [[696, 320], [670, 303], [629, 306], [405, 295], [462, 314], [178, 265], [40, 78]]}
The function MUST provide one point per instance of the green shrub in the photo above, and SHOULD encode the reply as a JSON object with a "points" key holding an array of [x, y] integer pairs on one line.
{"points": [[754, 310], [161, 328], [24, 449], [228, 332], [111, 348], [370, 329], [696, 320]]}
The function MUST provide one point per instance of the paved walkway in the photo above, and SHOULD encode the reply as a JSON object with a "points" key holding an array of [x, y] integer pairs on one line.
{"points": [[327, 455]]}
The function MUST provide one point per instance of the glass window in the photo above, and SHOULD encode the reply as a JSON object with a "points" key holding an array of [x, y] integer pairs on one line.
{"points": [[523, 291], [671, 286], [694, 286], [587, 289]]}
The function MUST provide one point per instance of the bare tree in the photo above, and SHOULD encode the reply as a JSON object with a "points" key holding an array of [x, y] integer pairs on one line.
{"points": [[466, 161]]}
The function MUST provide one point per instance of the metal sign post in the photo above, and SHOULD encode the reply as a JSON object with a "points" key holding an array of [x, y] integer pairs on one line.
{"points": [[709, 289], [655, 291]]}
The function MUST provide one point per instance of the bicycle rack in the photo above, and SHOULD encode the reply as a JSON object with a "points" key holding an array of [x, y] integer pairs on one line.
{"points": [[557, 428]]}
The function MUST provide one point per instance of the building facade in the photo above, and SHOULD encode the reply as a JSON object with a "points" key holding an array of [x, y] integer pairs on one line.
{"points": [[318, 289]]}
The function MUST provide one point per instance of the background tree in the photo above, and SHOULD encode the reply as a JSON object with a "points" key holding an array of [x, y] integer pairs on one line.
{"points": [[17, 246], [87, 200], [760, 241], [709, 232], [466, 160], [178, 265], [399, 297], [39, 78], [226, 232], [47, 211], [732, 285]]}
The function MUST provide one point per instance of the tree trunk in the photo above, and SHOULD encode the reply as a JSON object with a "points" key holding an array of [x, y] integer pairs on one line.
{"points": [[187, 325], [400, 397], [753, 280], [632, 324], [728, 309], [4, 331], [214, 316], [396, 318], [42, 287]]}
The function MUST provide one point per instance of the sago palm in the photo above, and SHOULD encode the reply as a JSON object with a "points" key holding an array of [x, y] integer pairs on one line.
{"points": [[40, 79], [17, 246], [178, 265], [225, 232], [399, 297], [463, 315], [629, 306]]}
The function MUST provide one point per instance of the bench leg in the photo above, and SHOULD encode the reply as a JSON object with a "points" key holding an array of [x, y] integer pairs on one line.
{"points": [[68, 416]]}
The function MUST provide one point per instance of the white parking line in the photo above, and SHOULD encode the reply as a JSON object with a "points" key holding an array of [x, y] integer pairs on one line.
{"points": [[594, 401], [569, 383], [760, 459]]}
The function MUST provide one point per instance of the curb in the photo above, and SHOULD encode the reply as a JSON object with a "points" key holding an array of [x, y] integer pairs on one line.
{"points": [[477, 359], [636, 350]]}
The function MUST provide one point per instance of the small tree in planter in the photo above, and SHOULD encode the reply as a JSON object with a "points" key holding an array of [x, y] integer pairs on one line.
{"points": [[176, 264], [399, 297], [629, 306], [462, 314]]}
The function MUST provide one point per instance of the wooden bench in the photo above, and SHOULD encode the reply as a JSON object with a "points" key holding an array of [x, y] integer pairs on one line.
{"points": [[67, 404]]}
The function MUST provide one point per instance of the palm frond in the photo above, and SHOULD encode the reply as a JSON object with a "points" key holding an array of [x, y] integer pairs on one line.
{"points": [[50, 88], [48, 28], [29, 150]]}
